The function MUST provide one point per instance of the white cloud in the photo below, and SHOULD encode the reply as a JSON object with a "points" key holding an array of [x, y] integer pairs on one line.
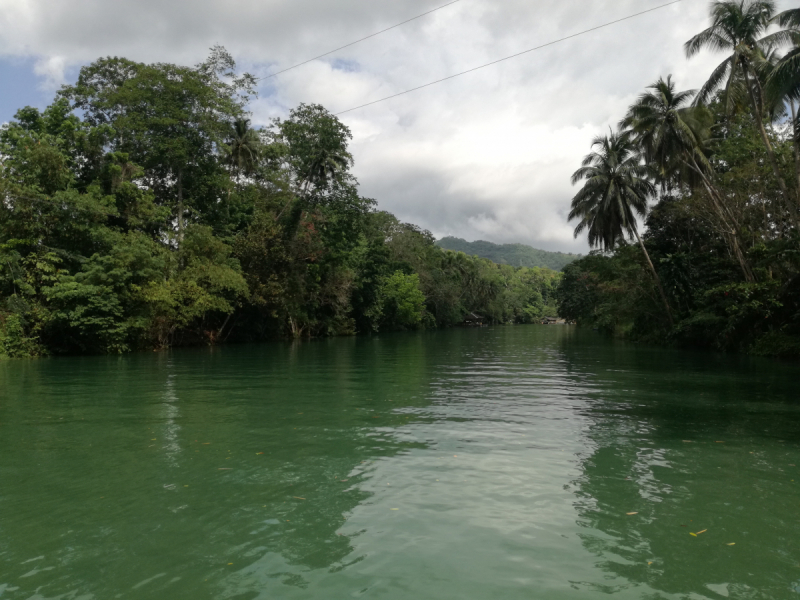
{"points": [[485, 155], [51, 70]]}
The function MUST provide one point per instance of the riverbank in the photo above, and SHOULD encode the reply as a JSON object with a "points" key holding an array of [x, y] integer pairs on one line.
{"points": [[141, 210], [713, 308], [717, 264]]}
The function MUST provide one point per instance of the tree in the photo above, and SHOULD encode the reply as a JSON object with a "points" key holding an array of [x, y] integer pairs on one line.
{"points": [[616, 189], [400, 303], [783, 81], [672, 133], [171, 120], [316, 153], [737, 26], [244, 148], [673, 136], [242, 153]]}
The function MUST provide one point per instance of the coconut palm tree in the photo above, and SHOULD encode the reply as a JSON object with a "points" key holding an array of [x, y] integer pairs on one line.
{"points": [[672, 135], [784, 77], [616, 189], [783, 80], [244, 148], [737, 27], [671, 132], [243, 151], [324, 167]]}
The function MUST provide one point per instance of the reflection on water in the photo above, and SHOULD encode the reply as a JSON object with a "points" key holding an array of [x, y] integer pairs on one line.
{"points": [[490, 463], [712, 451]]}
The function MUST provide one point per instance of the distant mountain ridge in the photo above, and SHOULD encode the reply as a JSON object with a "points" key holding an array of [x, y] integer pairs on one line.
{"points": [[516, 255]]}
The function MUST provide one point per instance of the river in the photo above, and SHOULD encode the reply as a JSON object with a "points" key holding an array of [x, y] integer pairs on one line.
{"points": [[510, 463]]}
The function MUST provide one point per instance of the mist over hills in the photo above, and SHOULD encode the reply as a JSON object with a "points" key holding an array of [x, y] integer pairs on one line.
{"points": [[516, 255]]}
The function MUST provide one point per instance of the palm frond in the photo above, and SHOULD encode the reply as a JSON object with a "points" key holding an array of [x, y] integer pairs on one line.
{"points": [[788, 18], [784, 80], [711, 38], [722, 73]]}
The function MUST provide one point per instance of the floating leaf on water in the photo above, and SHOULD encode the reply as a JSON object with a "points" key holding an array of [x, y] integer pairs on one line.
{"points": [[704, 530], [650, 562], [632, 513], [731, 544], [692, 534], [298, 497]]}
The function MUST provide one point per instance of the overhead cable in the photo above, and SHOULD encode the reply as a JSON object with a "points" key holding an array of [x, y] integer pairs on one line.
{"points": [[360, 40], [494, 62]]}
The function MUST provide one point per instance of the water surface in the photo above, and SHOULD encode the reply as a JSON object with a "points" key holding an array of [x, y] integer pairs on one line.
{"points": [[508, 463]]}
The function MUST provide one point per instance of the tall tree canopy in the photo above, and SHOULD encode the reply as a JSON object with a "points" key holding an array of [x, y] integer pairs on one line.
{"points": [[722, 230], [142, 209], [616, 190]]}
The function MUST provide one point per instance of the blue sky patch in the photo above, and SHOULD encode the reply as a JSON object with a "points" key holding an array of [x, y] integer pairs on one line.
{"points": [[21, 87], [349, 66]]}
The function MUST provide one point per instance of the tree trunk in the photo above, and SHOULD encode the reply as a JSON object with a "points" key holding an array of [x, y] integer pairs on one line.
{"points": [[733, 236], [180, 207], [303, 192], [770, 152], [657, 278], [731, 229], [234, 178], [221, 329]]}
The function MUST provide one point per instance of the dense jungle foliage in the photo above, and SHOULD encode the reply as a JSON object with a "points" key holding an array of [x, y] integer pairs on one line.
{"points": [[718, 265], [141, 210], [516, 255]]}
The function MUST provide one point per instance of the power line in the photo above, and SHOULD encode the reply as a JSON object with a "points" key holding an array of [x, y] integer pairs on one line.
{"points": [[494, 62], [361, 40]]}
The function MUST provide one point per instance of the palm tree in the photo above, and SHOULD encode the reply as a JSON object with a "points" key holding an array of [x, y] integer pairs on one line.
{"points": [[672, 135], [737, 27], [671, 132], [784, 78], [242, 153], [324, 166], [616, 191], [244, 148], [783, 81]]}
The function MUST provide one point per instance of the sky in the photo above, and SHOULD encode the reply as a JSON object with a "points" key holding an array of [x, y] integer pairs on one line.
{"points": [[484, 156]]}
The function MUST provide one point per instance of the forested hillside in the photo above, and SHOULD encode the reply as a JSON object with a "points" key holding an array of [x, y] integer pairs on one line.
{"points": [[718, 265], [142, 210], [516, 255]]}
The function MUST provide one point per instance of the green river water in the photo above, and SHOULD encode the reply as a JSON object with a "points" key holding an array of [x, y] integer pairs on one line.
{"points": [[494, 463]]}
